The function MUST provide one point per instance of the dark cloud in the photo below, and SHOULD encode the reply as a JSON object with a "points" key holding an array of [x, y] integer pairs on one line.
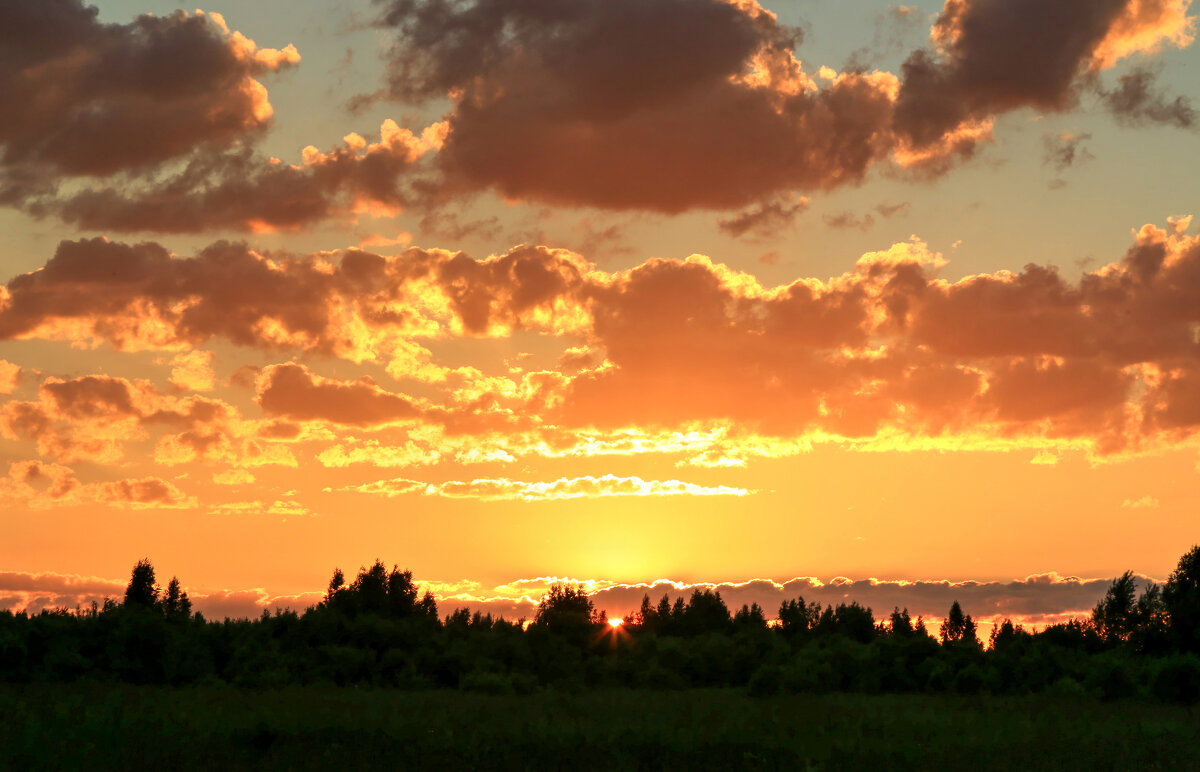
{"points": [[891, 210], [79, 98], [850, 221], [1064, 150], [994, 56], [1137, 101], [291, 391], [665, 105], [765, 220]]}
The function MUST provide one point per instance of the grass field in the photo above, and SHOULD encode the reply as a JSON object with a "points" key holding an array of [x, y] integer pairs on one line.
{"points": [[121, 727]]}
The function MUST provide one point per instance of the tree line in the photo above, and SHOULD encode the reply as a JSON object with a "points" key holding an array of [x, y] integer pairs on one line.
{"points": [[378, 629]]}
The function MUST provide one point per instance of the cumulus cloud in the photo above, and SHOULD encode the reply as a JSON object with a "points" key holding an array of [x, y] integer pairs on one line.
{"points": [[556, 490], [10, 376], [993, 56], [587, 103], [570, 103], [93, 418], [241, 190], [84, 99], [887, 353], [41, 485]]}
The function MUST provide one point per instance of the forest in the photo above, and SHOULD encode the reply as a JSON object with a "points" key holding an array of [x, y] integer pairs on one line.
{"points": [[379, 630]]}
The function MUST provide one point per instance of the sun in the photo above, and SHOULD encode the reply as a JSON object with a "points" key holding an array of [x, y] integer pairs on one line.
{"points": [[615, 623]]}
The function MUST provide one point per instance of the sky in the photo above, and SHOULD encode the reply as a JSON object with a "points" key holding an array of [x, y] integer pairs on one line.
{"points": [[848, 300]]}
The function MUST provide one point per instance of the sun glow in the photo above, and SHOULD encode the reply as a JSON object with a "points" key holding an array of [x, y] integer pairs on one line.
{"points": [[615, 623]]}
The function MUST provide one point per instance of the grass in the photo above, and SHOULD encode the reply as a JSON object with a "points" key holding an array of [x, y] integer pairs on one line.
{"points": [[94, 726]]}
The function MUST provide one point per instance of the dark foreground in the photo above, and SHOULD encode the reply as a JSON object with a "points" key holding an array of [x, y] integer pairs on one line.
{"points": [[123, 727]]}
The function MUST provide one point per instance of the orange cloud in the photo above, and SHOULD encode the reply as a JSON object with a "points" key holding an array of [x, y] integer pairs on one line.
{"points": [[556, 490], [38, 485], [673, 356]]}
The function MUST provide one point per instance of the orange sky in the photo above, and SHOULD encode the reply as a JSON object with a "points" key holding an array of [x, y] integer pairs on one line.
{"points": [[513, 294]]}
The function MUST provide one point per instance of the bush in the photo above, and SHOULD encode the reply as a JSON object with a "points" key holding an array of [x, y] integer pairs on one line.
{"points": [[766, 681], [1178, 680], [1112, 680]]}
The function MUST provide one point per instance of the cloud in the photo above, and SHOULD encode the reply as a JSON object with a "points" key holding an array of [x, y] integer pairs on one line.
{"points": [[994, 56], [1035, 601], [886, 355], [1137, 102], [849, 221], [86, 99], [765, 220], [291, 391], [718, 114], [891, 210], [557, 490], [594, 104], [1064, 150], [10, 376], [1145, 502], [93, 418], [240, 190], [192, 371], [39, 485]]}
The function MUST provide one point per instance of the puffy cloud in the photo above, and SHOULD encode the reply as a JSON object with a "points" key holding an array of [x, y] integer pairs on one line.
{"points": [[357, 305], [192, 371], [885, 354], [240, 190], [583, 103], [595, 103], [557, 490], [291, 391], [39, 485], [10, 376], [93, 417], [993, 56], [79, 98]]}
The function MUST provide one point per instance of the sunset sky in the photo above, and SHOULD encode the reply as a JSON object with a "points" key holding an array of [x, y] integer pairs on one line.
{"points": [[839, 298]]}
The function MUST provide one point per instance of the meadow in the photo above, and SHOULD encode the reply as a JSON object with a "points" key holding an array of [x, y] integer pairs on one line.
{"points": [[106, 726]]}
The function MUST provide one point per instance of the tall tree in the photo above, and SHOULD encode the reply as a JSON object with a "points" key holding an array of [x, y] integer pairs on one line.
{"points": [[1181, 596], [1115, 615], [958, 627], [141, 592]]}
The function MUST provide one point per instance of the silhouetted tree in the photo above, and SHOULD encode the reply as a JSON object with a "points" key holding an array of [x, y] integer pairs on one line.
{"points": [[175, 604], [958, 627], [1115, 616], [705, 612], [141, 592], [1181, 597], [750, 617], [335, 584], [566, 608], [796, 618]]}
